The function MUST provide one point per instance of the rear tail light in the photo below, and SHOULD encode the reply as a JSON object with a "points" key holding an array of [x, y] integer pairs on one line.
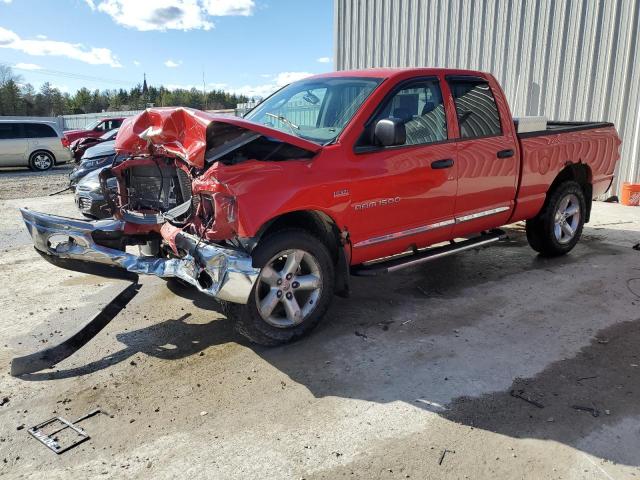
{"points": [[65, 142]]}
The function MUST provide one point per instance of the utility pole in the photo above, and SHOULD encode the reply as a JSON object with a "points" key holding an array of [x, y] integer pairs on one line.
{"points": [[204, 91]]}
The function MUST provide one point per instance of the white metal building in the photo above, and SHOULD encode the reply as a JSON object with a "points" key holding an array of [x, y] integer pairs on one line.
{"points": [[565, 59]]}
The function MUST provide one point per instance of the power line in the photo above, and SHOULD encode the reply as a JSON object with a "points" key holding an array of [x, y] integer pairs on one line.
{"points": [[74, 76]]}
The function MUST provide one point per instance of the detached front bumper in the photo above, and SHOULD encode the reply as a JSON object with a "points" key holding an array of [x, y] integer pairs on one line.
{"points": [[224, 273]]}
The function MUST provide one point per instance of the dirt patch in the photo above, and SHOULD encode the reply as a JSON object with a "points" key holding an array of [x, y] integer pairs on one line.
{"points": [[23, 183]]}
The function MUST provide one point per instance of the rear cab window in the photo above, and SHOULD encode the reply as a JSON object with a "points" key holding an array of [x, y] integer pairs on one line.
{"points": [[476, 107], [111, 124]]}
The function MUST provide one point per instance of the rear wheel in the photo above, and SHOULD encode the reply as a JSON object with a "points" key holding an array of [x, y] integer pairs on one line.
{"points": [[41, 161], [557, 228], [292, 293]]}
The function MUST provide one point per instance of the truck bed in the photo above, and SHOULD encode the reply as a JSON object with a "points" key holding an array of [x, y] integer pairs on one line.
{"points": [[547, 152], [554, 127]]}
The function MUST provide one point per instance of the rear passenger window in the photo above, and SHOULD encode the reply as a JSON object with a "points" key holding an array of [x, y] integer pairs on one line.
{"points": [[39, 130], [476, 108], [419, 105], [9, 131]]}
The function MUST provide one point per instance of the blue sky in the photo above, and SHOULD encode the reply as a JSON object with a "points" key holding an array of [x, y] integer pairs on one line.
{"points": [[247, 46]]}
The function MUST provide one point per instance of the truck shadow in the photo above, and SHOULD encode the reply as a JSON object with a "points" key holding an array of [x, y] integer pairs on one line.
{"points": [[500, 340]]}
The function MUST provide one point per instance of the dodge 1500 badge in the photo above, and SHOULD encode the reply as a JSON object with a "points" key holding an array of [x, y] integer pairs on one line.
{"points": [[360, 172]]}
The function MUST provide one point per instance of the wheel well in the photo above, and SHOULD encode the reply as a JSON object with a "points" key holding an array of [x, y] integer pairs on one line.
{"points": [[325, 229], [45, 151], [316, 223], [581, 174]]}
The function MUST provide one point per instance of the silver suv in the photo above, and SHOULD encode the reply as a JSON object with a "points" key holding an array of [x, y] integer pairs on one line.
{"points": [[35, 144]]}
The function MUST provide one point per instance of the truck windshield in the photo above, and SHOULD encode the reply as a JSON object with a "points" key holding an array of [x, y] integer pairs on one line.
{"points": [[316, 109], [92, 125]]}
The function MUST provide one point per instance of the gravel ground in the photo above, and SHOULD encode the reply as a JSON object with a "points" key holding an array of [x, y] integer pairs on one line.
{"points": [[23, 183], [411, 377]]}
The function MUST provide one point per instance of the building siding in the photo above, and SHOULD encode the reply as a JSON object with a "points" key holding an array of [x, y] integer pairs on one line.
{"points": [[565, 59]]}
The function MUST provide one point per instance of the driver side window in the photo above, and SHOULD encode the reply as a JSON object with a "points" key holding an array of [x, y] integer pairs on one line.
{"points": [[419, 106]]}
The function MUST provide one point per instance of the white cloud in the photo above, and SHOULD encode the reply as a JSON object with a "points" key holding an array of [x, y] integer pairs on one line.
{"points": [[6, 1], [76, 51], [146, 15], [63, 88], [280, 80], [27, 66], [223, 8], [136, 63], [171, 64], [41, 37], [324, 60], [284, 78]]}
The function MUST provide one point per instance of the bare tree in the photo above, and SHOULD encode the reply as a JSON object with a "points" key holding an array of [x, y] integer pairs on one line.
{"points": [[7, 75]]}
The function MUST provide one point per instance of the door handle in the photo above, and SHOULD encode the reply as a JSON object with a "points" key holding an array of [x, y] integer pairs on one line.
{"points": [[505, 153], [445, 163]]}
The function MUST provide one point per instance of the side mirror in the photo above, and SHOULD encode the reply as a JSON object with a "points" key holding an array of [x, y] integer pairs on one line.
{"points": [[390, 132]]}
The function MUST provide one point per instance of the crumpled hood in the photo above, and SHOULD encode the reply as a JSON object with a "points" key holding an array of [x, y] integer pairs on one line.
{"points": [[182, 132]]}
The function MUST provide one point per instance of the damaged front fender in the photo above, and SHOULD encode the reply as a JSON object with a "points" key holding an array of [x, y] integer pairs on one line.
{"points": [[223, 273]]}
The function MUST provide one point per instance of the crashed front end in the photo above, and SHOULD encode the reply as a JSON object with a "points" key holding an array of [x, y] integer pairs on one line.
{"points": [[223, 273], [169, 203]]}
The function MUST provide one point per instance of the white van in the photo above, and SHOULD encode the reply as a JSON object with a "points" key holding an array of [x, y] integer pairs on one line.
{"points": [[31, 143]]}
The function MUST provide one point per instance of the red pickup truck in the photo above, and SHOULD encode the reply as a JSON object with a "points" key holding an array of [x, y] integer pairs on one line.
{"points": [[94, 129], [357, 172]]}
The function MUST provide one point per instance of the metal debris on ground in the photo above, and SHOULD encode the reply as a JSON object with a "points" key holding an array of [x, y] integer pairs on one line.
{"points": [[586, 378], [444, 452], [362, 335], [592, 410], [52, 439], [49, 357], [431, 404], [520, 394], [636, 246]]}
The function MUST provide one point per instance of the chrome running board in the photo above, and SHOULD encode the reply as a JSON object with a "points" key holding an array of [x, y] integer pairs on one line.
{"points": [[426, 255]]}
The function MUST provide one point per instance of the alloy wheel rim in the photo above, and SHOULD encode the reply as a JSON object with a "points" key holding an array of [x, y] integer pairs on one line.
{"points": [[42, 161], [288, 289], [566, 219]]}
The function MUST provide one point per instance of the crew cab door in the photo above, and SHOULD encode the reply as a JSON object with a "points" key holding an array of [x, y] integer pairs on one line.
{"points": [[487, 156], [403, 195]]}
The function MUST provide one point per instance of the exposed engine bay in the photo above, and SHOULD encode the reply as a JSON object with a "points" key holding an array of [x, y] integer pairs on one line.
{"points": [[165, 184]]}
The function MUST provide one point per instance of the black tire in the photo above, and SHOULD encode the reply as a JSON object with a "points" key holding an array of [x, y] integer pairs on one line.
{"points": [[248, 320], [41, 161], [542, 229]]}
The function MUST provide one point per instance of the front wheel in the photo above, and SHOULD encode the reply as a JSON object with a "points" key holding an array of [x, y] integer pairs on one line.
{"points": [[557, 228], [292, 292]]}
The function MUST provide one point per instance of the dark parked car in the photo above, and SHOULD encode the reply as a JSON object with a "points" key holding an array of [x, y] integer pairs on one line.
{"points": [[95, 157], [90, 198], [81, 145]]}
